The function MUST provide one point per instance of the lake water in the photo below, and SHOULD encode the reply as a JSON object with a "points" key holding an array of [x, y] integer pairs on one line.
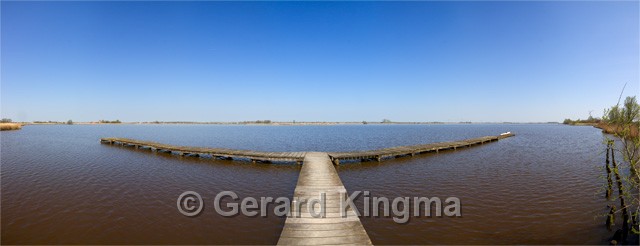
{"points": [[60, 185]]}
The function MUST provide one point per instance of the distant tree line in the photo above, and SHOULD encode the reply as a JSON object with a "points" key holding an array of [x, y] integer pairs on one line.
{"points": [[211, 122], [257, 122], [590, 120], [110, 121], [47, 122]]}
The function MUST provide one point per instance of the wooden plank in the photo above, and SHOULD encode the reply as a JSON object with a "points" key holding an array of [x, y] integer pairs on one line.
{"points": [[318, 176], [299, 156]]}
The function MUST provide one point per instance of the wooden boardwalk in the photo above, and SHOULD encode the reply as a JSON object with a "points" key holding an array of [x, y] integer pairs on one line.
{"points": [[316, 227], [310, 225], [298, 157], [412, 150], [219, 153]]}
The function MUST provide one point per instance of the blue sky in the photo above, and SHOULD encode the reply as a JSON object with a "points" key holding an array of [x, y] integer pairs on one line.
{"points": [[316, 61]]}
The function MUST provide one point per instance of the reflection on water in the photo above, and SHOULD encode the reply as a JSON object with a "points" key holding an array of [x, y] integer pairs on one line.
{"points": [[60, 185]]}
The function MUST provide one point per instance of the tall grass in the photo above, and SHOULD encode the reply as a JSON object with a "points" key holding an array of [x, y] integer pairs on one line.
{"points": [[10, 126], [616, 129]]}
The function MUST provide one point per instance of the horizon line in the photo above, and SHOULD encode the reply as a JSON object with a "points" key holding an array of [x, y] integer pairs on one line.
{"points": [[289, 122]]}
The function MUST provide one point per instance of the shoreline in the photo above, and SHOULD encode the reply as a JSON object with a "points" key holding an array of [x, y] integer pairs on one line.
{"points": [[286, 123], [10, 126], [617, 129], [610, 128]]}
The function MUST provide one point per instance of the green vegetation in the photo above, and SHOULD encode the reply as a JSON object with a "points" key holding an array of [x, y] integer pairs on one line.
{"points": [[623, 122], [69, 122], [5, 120], [386, 121], [629, 113], [589, 121]]}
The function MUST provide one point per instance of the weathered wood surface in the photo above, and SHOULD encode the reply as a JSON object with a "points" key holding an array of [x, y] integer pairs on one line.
{"points": [[315, 227], [412, 150], [213, 152], [317, 176], [298, 157]]}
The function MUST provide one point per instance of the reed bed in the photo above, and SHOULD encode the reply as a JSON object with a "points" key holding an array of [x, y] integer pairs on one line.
{"points": [[10, 126], [613, 129]]}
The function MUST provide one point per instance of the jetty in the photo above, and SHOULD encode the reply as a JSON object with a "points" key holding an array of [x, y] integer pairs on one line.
{"points": [[311, 225], [217, 153], [298, 157], [307, 224]]}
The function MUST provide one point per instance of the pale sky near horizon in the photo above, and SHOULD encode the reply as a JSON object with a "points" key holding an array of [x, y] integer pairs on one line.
{"points": [[316, 61]]}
